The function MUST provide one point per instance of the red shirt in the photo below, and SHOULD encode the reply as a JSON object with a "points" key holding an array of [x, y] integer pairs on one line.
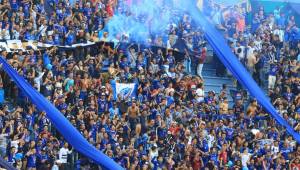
{"points": [[295, 166], [174, 130], [196, 164], [223, 156], [203, 55], [109, 9]]}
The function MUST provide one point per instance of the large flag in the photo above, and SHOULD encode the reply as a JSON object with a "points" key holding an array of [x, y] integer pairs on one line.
{"points": [[124, 90]]}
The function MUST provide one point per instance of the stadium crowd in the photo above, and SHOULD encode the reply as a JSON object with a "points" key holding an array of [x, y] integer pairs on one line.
{"points": [[171, 123]]}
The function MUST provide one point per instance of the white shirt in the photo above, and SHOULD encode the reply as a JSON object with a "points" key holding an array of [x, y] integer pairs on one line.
{"points": [[133, 58], [55, 167], [171, 74], [42, 30], [166, 68], [258, 45], [250, 51], [245, 159], [280, 33], [153, 154], [211, 141], [38, 80], [1, 35], [63, 155], [240, 55], [3, 140], [6, 34], [16, 35], [15, 143], [274, 149], [200, 95]]}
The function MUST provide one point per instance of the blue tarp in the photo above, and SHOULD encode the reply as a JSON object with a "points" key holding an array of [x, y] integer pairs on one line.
{"points": [[231, 62], [65, 128]]}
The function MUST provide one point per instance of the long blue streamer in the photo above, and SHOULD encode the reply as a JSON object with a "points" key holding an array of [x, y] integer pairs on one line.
{"points": [[69, 132], [6, 165], [231, 62]]}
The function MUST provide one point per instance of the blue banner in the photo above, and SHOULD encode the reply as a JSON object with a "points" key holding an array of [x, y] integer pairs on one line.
{"points": [[65, 128]]}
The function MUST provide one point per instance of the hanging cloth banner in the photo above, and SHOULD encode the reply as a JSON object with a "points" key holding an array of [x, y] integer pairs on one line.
{"points": [[66, 129], [231, 62], [124, 90]]}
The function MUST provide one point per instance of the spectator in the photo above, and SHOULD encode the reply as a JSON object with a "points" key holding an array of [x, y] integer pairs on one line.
{"points": [[63, 156], [171, 122]]}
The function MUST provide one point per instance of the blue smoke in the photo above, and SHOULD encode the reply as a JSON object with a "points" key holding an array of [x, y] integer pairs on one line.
{"points": [[145, 20]]}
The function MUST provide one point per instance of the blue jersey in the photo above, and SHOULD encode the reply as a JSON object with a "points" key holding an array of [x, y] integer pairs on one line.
{"points": [[87, 12], [29, 36], [70, 39], [56, 39], [62, 106], [170, 100], [43, 122], [281, 22], [285, 152], [43, 157], [46, 59], [31, 161], [273, 70], [229, 133], [26, 8], [288, 96], [40, 8], [124, 64], [102, 105], [14, 5], [29, 120], [208, 100], [171, 60], [204, 145], [214, 157]]}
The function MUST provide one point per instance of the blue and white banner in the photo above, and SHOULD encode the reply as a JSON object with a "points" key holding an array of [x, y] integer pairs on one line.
{"points": [[124, 90]]}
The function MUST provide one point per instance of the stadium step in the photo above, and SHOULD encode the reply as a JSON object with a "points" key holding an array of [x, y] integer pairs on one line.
{"points": [[208, 72], [209, 66], [217, 80], [214, 83], [216, 88], [229, 86]]}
